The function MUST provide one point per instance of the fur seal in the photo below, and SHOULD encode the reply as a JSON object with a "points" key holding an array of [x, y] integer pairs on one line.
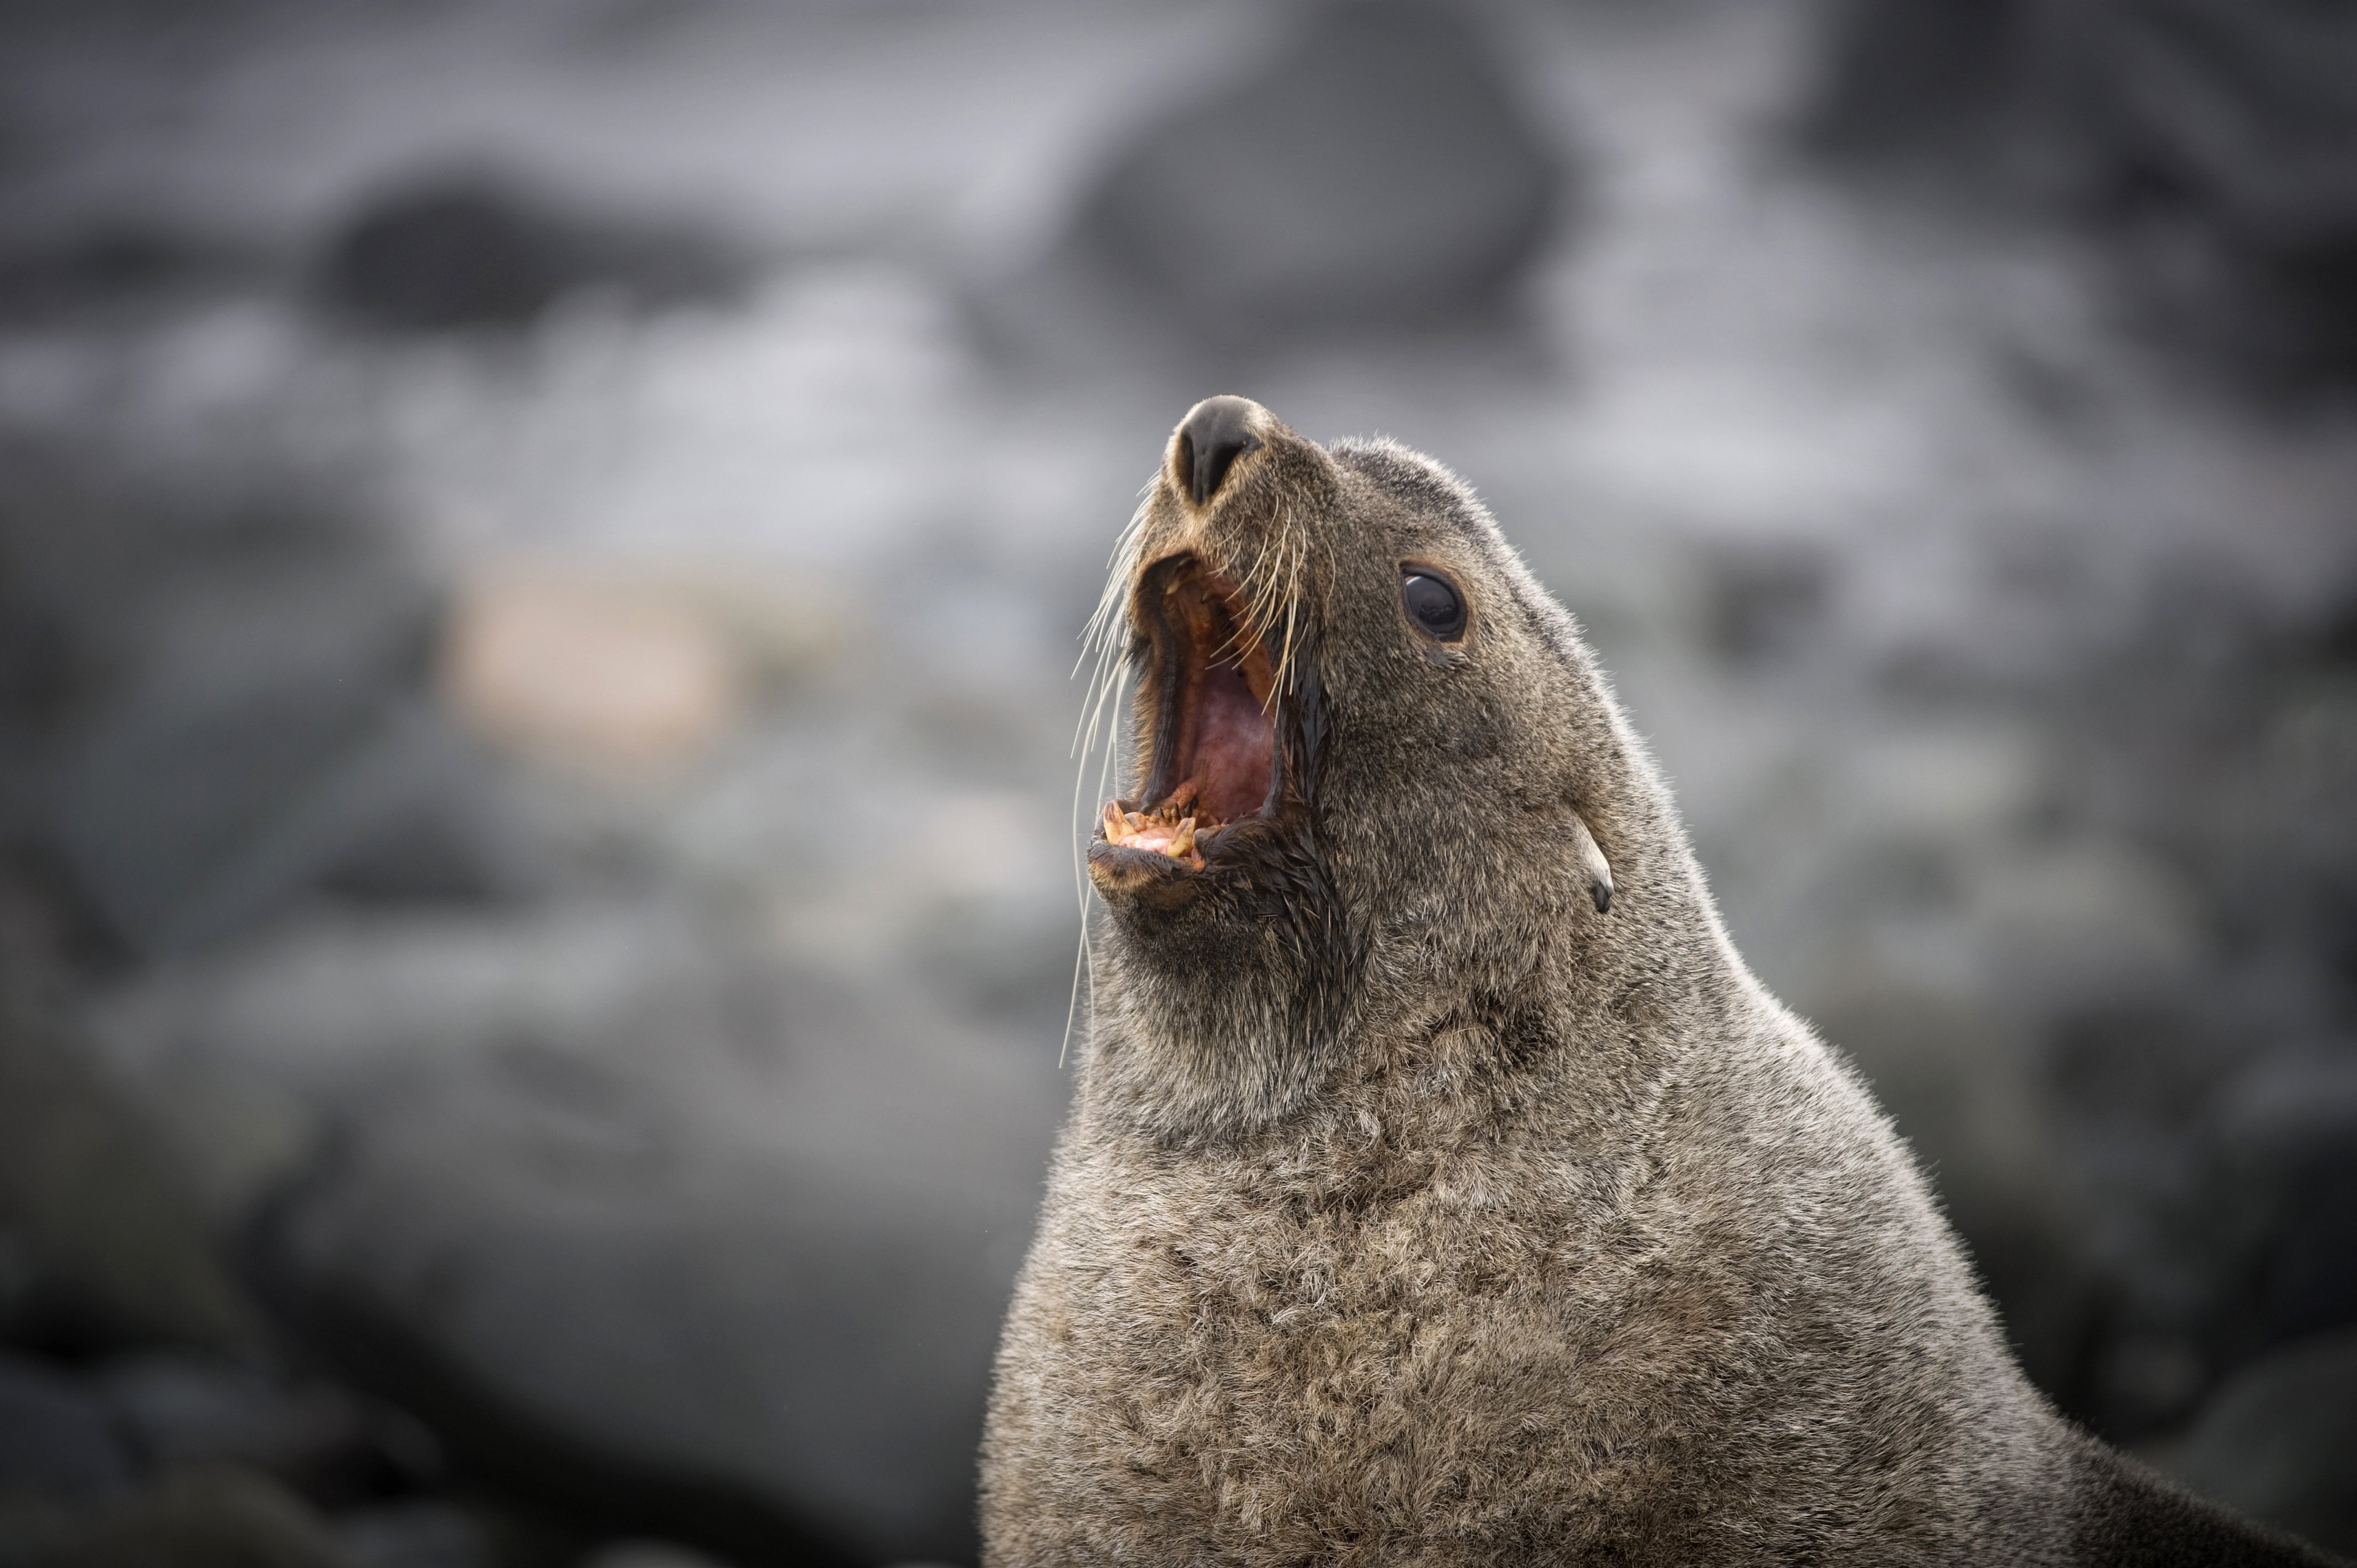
{"points": [[1441, 1188]]}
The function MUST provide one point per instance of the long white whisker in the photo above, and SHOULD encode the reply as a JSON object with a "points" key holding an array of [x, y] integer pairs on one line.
{"points": [[1104, 782], [1072, 1003], [1104, 654], [1290, 543]]}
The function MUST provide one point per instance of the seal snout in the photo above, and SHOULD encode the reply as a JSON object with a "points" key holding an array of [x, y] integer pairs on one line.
{"points": [[1215, 432]]}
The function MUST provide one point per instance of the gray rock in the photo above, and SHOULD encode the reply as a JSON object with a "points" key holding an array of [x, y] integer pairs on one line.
{"points": [[118, 267], [2238, 115], [414, 1535], [314, 1436], [2287, 1154], [646, 1555], [186, 1409], [266, 801], [234, 711], [2219, 138], [56, 1436], [1908, 79], [210, 1517], [640, 1223], [1373, 173], [468, 250], [2279, 1441], [113, 1246]]}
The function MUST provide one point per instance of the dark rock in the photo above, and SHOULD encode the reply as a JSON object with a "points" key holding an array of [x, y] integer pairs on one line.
{"points": [[321, 1440], [414, 1535], [2205, 1115], [56, 1436], [1767, 604], [2280, 1442], [655, 1554], [2287, 1157], [2311, 1280], [1929, 76], [2226, 130], [2218, 138], [466, 250], [109, 266], [221, 790], [116, 1249], [210, 1517], [231, 708], [658, 1238], [1372, 173], [21, 1285]]}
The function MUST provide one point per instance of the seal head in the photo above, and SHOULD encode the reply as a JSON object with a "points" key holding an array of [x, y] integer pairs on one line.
{"points": [[1346, 682]]}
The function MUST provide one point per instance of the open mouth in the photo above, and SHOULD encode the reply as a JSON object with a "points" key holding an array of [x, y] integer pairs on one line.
{"points": [[1214, 759]]}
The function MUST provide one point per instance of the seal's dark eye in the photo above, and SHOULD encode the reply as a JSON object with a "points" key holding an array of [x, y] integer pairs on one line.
{"points": [[1433, 600]]}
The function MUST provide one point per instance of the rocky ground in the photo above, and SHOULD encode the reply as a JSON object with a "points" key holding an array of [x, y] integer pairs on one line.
{"points": [[539, 567]]}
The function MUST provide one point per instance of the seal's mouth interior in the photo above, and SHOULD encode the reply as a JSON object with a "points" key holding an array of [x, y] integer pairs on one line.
{"points": [[1213, 762]]}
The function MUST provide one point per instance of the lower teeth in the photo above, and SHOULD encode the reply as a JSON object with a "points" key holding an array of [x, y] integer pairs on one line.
{"points": [[1121, 827]]}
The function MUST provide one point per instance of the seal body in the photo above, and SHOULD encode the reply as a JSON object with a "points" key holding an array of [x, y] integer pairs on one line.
{"points": [[1441, 1188]]}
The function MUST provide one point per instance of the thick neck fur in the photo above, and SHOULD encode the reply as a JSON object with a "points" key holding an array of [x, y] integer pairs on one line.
{"points": [[1458, 1000]]}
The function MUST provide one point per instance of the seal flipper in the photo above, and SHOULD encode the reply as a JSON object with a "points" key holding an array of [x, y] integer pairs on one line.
{"points": [[1592, 864], [2130, 1515]]}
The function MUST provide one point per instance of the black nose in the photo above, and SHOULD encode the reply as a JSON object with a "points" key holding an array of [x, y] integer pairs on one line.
{"points": [[1215, 435]]}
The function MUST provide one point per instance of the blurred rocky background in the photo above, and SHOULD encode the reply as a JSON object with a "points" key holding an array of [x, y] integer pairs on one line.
{"points": [[541, 547]]}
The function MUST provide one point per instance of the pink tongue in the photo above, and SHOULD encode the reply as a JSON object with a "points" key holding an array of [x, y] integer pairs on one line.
{"points": [[1233, 742]]}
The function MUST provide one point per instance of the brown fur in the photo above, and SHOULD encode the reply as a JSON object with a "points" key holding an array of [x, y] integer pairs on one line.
{"points": [[1414, 1210]]}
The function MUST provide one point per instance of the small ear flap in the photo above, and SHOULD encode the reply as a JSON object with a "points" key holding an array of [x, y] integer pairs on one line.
{"points": [[1592, 863]]}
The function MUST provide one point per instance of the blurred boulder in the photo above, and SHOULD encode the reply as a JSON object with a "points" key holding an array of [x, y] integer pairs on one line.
{"points": [[417, 1534], [56, 1435], [2287, 1154], [645, 1225], [1370, 174], [268, 730], [108, 268], [207, 1517], [1900, 77], [646, 1555], [2279, 1441], [2216, 138], [315, 1437], [114, 1249], [472, 251], [225, 703], [215, 794], [1765, 604], [2227, 129], [2200, 1097]]}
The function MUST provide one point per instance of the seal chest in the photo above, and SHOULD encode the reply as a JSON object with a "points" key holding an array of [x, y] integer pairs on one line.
{"points": [[1440, 1186]]}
